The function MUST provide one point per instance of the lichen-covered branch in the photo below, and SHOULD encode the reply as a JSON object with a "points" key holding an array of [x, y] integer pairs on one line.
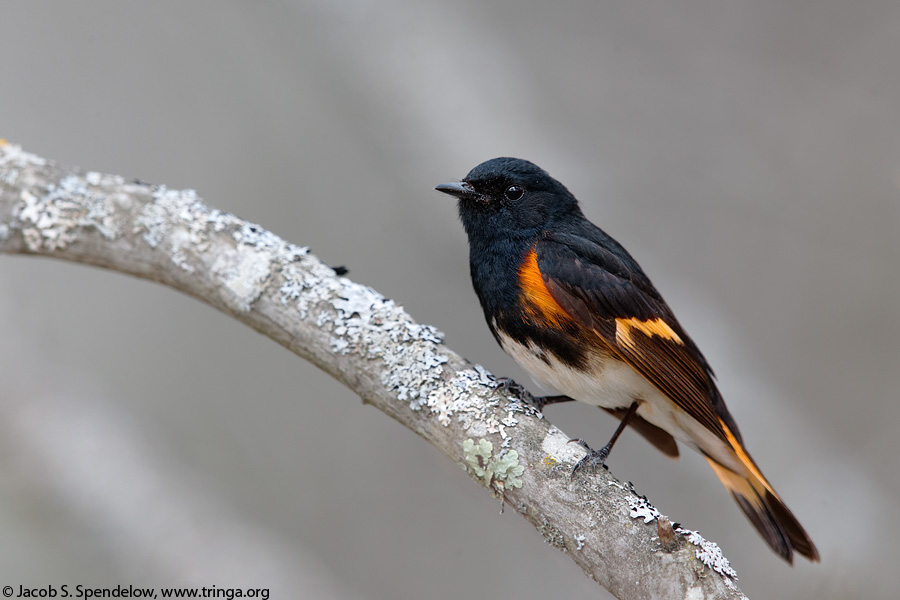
{"points": [[371, 345]]}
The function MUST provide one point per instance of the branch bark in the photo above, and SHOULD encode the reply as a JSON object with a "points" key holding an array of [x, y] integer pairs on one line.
{"points": [[371, 345]]}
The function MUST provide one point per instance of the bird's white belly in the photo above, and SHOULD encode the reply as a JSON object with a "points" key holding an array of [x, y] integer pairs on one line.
{"points": [[607, 382], [612, 383]]}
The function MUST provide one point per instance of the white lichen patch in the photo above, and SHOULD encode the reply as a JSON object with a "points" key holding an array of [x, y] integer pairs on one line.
{"points": [[377, 327], [306, 287], [501, 471], [363, 322], [707, 552], [254, 235], [169, 207], [13, 160], [461, 399], [468, 400], [154, 222], [642, 509], [181, 244], [179, 222], [509, 420], [50, 221]]}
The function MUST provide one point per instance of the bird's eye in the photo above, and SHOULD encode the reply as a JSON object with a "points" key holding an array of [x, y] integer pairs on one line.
{"points": [[514, 192]]}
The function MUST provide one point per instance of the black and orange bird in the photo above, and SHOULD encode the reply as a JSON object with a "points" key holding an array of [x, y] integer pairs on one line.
{"points": [[574, 309]]}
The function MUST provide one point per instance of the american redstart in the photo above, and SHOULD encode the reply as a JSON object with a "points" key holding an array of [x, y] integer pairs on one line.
{"points": [[575, 310]]}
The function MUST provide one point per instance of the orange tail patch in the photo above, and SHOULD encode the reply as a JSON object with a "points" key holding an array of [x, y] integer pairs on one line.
{"points": [[775, 522]]}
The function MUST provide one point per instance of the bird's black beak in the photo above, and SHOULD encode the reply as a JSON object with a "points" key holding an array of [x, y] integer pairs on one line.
{"points": [[460, 189]]}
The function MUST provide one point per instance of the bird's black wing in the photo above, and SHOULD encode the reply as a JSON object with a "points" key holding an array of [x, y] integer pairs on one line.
{"points": [[603, 289]]}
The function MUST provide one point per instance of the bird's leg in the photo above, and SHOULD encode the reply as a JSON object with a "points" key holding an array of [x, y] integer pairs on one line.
{"points": [[598, 457]]}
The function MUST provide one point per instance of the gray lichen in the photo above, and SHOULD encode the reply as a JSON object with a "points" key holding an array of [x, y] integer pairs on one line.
{"points": [[552, 535]]}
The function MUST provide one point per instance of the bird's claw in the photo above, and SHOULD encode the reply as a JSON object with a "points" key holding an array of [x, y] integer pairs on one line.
{"points": [[507, 384], [593, 458]]}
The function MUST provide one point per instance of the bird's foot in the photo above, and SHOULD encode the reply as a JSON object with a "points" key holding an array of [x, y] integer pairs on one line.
{"points": [[539, 402], [593, 458], [509, 385]]}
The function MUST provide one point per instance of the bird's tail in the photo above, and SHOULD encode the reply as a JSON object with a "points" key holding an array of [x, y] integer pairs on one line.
{"points": [[775, 522]]}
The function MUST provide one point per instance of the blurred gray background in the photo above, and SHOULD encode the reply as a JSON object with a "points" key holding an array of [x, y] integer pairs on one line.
{"points": [[747, 153]]}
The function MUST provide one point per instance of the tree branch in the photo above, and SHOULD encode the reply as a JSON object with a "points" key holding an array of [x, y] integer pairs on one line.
{"points": [[371, 345]]}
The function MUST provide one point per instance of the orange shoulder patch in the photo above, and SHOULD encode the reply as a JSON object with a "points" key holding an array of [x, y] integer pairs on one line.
{"points": [[536, 298], [651, 327]]}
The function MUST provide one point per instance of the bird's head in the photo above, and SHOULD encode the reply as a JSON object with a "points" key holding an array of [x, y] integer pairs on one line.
{"points": [[509, 197]]}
